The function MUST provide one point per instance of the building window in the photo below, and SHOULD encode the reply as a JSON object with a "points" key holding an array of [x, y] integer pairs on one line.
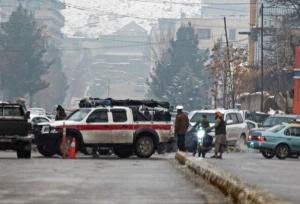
{"points": [[232, 34], [204, 33]]}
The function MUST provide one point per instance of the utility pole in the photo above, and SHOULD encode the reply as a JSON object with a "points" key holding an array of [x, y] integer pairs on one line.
{"points": [[262, 58], [229, 68]]}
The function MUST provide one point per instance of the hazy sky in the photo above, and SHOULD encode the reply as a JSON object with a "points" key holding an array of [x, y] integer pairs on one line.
{"points": [[95, 17]]}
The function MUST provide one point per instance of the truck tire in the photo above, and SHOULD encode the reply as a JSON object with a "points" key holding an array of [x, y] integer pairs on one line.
{"points": [[46, 151], [123, 151], [24, 152], [144, 146]]}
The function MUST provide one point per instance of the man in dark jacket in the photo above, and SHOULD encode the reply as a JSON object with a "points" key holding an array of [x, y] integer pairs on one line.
{"points": [[220, 132], [60, 113], [181, 126]]}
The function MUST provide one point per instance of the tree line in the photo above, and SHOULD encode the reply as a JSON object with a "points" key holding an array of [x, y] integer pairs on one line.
{"points": [[27, 58]]}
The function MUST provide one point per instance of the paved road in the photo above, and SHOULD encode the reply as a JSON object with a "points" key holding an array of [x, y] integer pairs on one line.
{"points": [[103, 180], [281, 177]]}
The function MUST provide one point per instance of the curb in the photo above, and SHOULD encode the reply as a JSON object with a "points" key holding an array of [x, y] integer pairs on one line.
{"points": [[233, 186]]}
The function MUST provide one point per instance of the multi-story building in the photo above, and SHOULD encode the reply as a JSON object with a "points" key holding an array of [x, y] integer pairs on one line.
{"points": [[272, 19], [113, 65]]}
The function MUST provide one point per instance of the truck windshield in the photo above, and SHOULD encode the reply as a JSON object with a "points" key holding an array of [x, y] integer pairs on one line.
{"points": [[198, 116], [11, 111], [79, 114]]}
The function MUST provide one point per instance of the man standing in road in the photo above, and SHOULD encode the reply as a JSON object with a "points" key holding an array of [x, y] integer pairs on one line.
{"points": [[220, 131], [181, 126]]}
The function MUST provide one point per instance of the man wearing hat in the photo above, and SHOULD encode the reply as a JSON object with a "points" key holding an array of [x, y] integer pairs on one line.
{"points": [[220, 131], [181, 126]]}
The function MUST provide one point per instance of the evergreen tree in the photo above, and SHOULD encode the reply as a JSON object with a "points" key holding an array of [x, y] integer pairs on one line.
{"points": [[22, 50], [180, 75]]}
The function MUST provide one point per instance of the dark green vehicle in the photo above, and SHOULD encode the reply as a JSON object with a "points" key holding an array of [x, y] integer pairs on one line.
{"points": [[15, 131]]}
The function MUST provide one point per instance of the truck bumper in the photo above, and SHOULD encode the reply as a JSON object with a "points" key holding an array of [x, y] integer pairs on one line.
{"points": [[15, 142], [6, 139]]}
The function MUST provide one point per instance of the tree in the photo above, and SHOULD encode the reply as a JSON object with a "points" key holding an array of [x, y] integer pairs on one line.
{"points": [[226, 81], [179, 75], [22, 50], [57, 81]]}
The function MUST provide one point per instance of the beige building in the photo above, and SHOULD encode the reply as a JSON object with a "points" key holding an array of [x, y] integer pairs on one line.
{"points": [[209, 30]]}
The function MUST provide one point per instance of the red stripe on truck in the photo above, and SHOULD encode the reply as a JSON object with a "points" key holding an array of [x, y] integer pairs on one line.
{"points": [[118, 127]]}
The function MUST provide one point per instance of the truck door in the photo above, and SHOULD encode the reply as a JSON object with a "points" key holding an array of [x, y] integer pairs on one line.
{"points": [[97, 129], [122, 128]]}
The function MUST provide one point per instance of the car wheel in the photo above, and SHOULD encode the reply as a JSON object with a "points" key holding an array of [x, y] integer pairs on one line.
{"points": [[144, 147], [268, 154], [282, 151], [123, 151], [24, 152], [46, 151]]}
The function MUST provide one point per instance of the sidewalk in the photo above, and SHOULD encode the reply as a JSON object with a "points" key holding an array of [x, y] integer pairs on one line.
{"points": [[281, 177], [227, 178]]}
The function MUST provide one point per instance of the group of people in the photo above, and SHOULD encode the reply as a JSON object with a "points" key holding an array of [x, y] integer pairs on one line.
{"points": [[182, 124]]}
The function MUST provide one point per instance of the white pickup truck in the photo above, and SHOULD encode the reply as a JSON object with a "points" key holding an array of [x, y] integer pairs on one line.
{"points": [[236, 128], [126, 130]]}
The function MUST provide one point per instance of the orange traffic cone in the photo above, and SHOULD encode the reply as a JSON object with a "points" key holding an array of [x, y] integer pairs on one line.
{"points": [[72, 150]]}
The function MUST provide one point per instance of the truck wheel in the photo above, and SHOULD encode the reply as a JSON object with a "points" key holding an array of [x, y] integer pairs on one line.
{"points": [[268, 154], [123, 151], [282, 151], [24, 152], [144, 147], [46, 151]]}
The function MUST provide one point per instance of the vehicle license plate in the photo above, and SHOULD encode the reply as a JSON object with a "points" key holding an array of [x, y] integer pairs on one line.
{"points": [[5, 140]]}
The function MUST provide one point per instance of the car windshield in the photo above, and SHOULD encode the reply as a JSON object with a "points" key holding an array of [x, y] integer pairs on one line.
{"points": [[198, 116], [79, 114], [276, 128], [271, 121]]}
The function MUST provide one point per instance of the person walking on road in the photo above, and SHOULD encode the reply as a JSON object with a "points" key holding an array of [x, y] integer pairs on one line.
{"points": [[181, 126], [220, 131]]}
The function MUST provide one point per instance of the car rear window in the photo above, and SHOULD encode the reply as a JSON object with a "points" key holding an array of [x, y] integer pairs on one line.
{"points": [[276, 128], [273, 120], [198, 116]]}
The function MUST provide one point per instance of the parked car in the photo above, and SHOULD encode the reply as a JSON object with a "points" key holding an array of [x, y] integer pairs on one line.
{"points": [[282, 140], [237, 130], [254, 119], [15, 131], [274, 120]]}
